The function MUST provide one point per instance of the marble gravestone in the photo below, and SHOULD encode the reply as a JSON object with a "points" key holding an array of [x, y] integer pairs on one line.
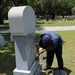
{"points": [[22, 28], [2, 41]]}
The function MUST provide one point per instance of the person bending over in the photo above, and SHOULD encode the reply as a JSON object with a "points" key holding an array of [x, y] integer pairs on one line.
{"points": [[52, 43]]}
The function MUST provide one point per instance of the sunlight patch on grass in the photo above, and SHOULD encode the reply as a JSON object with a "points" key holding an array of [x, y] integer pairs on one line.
{"points": [[4, 51]]}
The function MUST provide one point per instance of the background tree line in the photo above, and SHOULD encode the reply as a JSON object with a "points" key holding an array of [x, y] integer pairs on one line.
{"points": [[43, 8]]}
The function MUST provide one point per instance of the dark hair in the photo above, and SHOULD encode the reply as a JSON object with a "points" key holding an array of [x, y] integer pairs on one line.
{"points": [[46, 41]]}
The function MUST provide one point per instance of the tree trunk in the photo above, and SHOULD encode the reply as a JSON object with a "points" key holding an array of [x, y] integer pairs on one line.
{"points": [[47, 15], [1, 20], [62, 14], [53, 15]]}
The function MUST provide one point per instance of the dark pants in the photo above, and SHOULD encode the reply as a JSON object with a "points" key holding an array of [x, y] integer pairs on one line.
{"points": [[50, 57]]}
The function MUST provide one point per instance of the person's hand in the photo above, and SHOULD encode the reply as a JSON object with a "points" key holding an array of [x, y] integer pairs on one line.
{"points": [[41, 50], [49, 49]]}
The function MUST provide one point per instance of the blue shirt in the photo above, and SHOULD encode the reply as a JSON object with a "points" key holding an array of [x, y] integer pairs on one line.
{"points": [[56, 38]]}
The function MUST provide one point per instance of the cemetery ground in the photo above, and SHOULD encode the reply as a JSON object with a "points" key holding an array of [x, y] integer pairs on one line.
{"points": [[58, 21], [7, 54]]}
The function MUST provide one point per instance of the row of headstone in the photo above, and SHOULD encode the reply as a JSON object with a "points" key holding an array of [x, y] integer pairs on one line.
{"points": [[66, 21], [2, 40]]}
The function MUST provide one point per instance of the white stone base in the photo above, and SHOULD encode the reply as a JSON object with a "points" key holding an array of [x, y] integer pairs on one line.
{"points": [[34, 70]]}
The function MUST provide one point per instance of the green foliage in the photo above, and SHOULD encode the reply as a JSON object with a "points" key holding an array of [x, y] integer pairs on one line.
{"points": [[5, 5], [73, 10], [50, 8]]}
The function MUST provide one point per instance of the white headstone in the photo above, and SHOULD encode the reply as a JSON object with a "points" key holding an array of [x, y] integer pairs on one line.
{"points": [[21, 20], [22, 28], [25, 53], [11, 38], [2, 41]]}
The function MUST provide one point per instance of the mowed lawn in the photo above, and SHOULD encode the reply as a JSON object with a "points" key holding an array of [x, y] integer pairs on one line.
{"points": [[68, 52], [7, 54]]}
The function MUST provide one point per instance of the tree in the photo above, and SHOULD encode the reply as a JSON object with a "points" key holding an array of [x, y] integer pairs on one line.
{"points": [[50, 8], [5, 5], [73, 10], [44, 8], [63, 7]]}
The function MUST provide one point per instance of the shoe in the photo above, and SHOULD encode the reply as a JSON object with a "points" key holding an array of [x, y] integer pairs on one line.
{"points": [[46, 68]]}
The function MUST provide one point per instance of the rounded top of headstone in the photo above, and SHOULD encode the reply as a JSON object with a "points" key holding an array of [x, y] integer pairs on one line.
{"points": [[21, 20]]}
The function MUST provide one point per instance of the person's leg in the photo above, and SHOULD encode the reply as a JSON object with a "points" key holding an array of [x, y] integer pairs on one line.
{"points": [[59, 57], [49, 60]]}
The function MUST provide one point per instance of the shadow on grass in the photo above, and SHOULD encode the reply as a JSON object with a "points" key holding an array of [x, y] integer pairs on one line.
{"points": [[7, 63], [7, 57]]}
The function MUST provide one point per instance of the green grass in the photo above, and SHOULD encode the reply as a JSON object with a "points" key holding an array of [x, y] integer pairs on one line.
{"points": [[7, 54], [68, 52]]}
